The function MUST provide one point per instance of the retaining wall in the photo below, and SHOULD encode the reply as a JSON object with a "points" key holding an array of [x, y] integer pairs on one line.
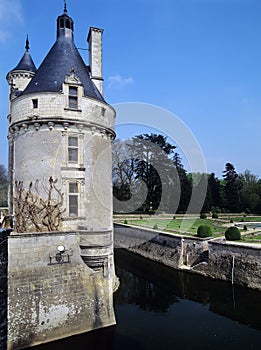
{"points": [[210, 257]]}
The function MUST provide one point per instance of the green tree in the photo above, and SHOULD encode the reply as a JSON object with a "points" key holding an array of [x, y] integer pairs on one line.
{"points": [[232, 189], [250, 192], [143, 174], [152, 151], [3, 186], [185, 184], [214, 193]]}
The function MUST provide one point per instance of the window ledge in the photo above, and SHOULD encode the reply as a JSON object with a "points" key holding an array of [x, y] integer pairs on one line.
{"points": [[73, 109], [73, 167], [73, 218]]}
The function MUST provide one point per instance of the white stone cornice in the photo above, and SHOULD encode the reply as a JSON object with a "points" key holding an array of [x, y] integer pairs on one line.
{"points": [[63, 125]]}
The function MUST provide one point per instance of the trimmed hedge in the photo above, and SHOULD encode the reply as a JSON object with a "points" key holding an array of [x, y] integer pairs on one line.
{"points": [[203, 215], [233, 234], [215, 216], [204, 231]]}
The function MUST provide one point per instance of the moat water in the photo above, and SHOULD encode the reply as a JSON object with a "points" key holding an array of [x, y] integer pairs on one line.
{"points": [[158, 308]]}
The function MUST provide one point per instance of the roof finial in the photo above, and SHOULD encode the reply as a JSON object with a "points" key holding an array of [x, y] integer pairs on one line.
{"points": [[65, 7], [27, 43]]}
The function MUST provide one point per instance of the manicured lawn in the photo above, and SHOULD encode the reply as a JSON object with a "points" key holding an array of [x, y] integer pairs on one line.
{"points": [[246, 219], [252, 238], [188, 226]]}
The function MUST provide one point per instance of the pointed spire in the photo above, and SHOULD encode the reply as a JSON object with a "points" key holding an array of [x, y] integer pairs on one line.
{"points": [[27, 43], [65, 7]]}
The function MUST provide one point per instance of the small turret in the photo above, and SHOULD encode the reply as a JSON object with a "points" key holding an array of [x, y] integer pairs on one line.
{"points": [[20, 76]]}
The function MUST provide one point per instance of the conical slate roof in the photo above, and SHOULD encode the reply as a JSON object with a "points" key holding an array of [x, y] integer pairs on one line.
{"points": [[59, 62], [26, 62]]}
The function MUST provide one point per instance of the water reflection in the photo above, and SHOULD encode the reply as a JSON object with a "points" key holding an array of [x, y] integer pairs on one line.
{"points": [[155, 287], [158, 308]]}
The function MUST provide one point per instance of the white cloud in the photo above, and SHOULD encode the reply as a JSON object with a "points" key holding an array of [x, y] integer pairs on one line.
{"points": [[10, 15], [118, 81]]}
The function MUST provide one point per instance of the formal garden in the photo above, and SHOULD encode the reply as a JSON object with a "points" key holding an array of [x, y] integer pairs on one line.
{"points": [[212, 226]]}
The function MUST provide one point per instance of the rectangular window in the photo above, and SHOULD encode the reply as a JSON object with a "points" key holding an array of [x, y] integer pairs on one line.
{"points": [[73, 199], [73, 149], [35, 103], [73, 97]]}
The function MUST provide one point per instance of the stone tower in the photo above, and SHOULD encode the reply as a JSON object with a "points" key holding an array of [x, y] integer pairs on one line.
{"points": [[60, 262], [61, 127]]}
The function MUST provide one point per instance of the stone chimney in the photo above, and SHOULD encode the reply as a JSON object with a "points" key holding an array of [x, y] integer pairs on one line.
{"points": [[94, 40]]}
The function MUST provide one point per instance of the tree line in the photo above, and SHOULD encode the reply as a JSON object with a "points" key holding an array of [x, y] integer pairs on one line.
{"points": [[142, 161], [148, 176]]}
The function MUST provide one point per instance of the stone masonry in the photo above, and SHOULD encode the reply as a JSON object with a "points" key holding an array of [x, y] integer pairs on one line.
{"points": [[49, 299], [61, 274], [238, 263]]}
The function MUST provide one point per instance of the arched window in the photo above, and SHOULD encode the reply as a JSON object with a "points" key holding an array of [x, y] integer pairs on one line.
{"points": [[68, 24], [61, 23]]}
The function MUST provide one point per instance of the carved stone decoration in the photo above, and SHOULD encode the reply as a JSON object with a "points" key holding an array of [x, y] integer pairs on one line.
{"points": [[72, 78], [34, 213], [50, 125]]}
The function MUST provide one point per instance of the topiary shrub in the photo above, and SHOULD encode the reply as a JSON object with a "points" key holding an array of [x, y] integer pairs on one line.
{"points": [[155, 227], [215, 216], [204, 231], [203, 216], [231, 221], [233, 234], [242, 220], [245, 228], [125, 222]]}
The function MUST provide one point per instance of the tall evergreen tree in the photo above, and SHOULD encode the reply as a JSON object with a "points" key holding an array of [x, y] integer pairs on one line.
{"points": [[214, 188], [232, 189], [185, 184]]}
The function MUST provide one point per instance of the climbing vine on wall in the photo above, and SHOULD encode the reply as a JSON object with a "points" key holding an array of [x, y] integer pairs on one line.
{"points": [[32, 212]]}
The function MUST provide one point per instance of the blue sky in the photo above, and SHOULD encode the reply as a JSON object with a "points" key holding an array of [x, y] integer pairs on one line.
{"points": [[199, 59]]}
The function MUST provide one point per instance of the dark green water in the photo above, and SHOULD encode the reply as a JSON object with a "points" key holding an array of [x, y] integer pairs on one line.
{"points": [[158, 308]]}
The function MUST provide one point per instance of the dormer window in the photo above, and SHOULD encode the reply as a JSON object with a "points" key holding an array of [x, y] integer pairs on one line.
{"points": [[73, 97]]}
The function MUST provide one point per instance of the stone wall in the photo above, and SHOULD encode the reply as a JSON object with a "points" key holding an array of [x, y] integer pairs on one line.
{"points": [[209, 257], [3, 288], [235, 262], [53, 107], [170, 249], [50, 299]]}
